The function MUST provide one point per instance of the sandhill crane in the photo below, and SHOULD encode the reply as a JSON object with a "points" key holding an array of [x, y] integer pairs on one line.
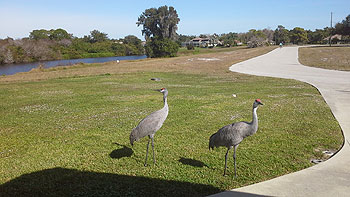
{"points": [[233, 134], [151, 124]]}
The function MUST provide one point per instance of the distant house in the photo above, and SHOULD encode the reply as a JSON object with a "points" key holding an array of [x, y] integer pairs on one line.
{"points": [[199, 42], [335, 38], [238, 43], [203, 42], [120, 41]]}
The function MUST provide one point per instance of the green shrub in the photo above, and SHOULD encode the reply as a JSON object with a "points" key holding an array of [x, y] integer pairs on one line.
{"points": [[161, 47], [2, 59], [190, 47], [118, 49]]}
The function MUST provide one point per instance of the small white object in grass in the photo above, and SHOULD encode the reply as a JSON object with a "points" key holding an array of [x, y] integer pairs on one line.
{"points": [[316, 161], [208, 59], [328, 153], [234, 95]]}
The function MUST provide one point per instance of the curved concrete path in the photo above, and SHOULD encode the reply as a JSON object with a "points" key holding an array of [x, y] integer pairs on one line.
{"points": [[329, 178]]}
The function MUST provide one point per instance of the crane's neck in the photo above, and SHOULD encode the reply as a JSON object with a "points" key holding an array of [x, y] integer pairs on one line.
{"points": [[254, 122], [165, 100]]}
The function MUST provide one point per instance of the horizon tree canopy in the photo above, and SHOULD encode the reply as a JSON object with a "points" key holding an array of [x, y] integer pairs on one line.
{"points": [[160, 23]]}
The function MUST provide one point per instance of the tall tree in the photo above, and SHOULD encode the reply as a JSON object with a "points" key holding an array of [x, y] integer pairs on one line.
{"points": [[59, 34], [228, 39], [268, 33], [298, 36], [161, 22], [97, 36], [53, 34], [317, 36], [343, 27], [281, 35], [159, 29], [256, 38], [39, 34]]}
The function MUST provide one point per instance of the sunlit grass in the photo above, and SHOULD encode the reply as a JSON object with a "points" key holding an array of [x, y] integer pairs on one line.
{"points": [[80, 126]]}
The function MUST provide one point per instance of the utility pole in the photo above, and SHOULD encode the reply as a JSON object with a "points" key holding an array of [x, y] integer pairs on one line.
{"points": [[331, 30]]}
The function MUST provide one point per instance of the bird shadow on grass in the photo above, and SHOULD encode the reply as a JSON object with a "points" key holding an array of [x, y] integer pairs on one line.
{"points": [[72, 182], [192, 162], [121, 152]]}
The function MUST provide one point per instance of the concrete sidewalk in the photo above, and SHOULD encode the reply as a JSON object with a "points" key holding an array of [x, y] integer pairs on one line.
{"points": [[329, 178]]}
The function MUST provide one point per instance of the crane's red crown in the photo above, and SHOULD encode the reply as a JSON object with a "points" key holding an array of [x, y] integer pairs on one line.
{"points": [[258, 100]]}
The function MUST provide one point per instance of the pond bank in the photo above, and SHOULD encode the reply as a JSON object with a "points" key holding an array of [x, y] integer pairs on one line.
{"points": [[10, 69]]}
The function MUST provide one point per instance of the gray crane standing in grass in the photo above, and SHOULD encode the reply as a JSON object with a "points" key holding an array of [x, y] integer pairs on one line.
{"points": [[233, 134], [150, 125]]}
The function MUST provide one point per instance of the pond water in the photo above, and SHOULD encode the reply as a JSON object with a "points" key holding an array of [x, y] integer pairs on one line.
{"points": [[10, 69]]}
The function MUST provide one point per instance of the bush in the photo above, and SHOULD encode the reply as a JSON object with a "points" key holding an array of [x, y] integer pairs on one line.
{"points": [[72, 55], [118, 49], [2, 59], [190, 47], [161, 47], [54, 44]]}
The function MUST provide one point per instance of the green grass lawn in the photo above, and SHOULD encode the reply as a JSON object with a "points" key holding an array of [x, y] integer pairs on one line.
{"points": [[70, 136]]}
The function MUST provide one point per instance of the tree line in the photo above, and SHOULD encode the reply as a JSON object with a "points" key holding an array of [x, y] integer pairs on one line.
{"points": [[160, 25], [159, 29], [55, 44], [297, 35]]}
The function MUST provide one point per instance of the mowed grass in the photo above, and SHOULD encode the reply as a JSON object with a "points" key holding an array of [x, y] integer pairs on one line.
{"points": [[70, 135], [335, 58]]}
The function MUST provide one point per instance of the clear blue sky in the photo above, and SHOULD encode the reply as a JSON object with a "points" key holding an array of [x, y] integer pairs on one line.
{"points": [[118, 18]]}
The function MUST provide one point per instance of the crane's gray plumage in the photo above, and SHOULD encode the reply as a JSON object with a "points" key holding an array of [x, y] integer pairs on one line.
{"points": [[231, 135], [151, 124]]}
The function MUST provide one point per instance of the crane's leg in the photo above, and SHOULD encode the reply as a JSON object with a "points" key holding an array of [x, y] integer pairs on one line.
{"points": [[226, 160], [154, 159], [234, 158], [147, 152]]}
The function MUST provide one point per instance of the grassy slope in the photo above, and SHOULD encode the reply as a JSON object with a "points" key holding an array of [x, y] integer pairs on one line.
{"points": [[336, 58], [69, 135]]}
